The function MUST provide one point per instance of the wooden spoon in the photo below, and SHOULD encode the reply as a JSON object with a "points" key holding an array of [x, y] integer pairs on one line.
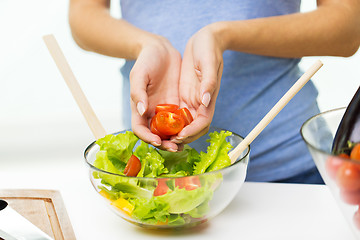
{"points": [[235, 153], [65, 70]]}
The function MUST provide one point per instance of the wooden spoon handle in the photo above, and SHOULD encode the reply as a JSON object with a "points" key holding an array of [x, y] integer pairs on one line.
{"points": [[234, 154], [65, 70]]}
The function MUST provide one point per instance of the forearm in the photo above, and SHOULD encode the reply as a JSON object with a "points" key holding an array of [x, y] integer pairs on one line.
{"points": [[95, 30], [330, 30]]}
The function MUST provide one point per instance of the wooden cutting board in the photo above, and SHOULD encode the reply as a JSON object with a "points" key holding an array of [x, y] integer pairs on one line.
{"points": [[44, 208]]}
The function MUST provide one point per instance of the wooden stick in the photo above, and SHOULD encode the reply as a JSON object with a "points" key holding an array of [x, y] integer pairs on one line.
{"points": [[234, 154], [65, 70]]}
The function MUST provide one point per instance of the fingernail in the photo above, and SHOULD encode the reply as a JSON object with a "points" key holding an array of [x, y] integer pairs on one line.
{"points": [[180, 138], [206, 99], [140, 107], [155, 144], [176, 140], [172, 150]]}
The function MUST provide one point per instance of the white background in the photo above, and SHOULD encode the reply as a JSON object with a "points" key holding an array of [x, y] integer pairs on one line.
{"points": [[37, 111]]}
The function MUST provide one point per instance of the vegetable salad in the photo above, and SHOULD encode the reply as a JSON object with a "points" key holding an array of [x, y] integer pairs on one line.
{"points": [[166, 198]]}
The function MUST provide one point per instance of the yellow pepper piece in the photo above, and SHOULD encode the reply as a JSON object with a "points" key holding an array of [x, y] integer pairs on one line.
{"points": [[123, 205], [163, 223], [104, 194]]}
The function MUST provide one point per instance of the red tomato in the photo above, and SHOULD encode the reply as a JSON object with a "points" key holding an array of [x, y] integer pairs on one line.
{"points": [[356, 219], [132, 167], [333, 163], [169, 123], [161, 188], [350, 197], [355, 152], [154, 130], [189, 183], [185, 114], [348, 176], [166, 108]]}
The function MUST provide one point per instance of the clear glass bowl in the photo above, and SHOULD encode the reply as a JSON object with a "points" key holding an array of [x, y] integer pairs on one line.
{"points": [[216, 191], [341, 175]]}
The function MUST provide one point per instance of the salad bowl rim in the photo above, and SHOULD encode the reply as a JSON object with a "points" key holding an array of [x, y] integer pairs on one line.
{"points": [[318, 149], [238, 161]]}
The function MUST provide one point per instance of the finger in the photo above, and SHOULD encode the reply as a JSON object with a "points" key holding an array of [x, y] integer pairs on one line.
{"points": [[141, 129], [169, 146], [210, 81], [194, 130], [194, 137], [138, 87], [146, 135], [180, 147], [189, 84]]}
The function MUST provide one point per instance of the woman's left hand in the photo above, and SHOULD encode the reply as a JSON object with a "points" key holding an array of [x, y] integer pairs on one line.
{"points": [[199, 85]]}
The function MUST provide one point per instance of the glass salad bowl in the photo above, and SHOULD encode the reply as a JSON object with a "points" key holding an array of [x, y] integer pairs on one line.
{"points": [[172, 199], [340, 174]]}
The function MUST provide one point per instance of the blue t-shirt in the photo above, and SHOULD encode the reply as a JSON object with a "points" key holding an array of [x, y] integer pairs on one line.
{"points": [[250, 86]]}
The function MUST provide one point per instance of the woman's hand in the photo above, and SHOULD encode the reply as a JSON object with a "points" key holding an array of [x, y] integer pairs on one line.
{"points": [[200, 79], [154, 80]]}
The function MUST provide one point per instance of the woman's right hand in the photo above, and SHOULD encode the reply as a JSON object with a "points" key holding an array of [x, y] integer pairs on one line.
{"points": [[155, 75], [154, 80]]}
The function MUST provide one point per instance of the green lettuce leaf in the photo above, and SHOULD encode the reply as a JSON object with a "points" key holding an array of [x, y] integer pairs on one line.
{"points": [[150, 211], [114, 194], [152, 163], [133, 190], [180, 163], [177, 219], [102, 162], [182, 200], [216, 156], [201, 210], [119, 148], [172, 206], [142, 150]]}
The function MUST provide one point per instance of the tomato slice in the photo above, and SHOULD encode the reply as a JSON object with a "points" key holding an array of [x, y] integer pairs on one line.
{"points": [[132, 167], [355, 152], [185, 114], [189, 183], [154, 130], [166, 108], [348, 176], [168, 123], [161, 188]]}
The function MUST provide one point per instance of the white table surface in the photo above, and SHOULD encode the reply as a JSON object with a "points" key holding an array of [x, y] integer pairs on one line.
{"points": [[259, 211]]}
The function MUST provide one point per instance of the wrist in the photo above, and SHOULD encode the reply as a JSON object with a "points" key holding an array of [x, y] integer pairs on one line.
{"points": [[149, 40], [221, 34]]}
